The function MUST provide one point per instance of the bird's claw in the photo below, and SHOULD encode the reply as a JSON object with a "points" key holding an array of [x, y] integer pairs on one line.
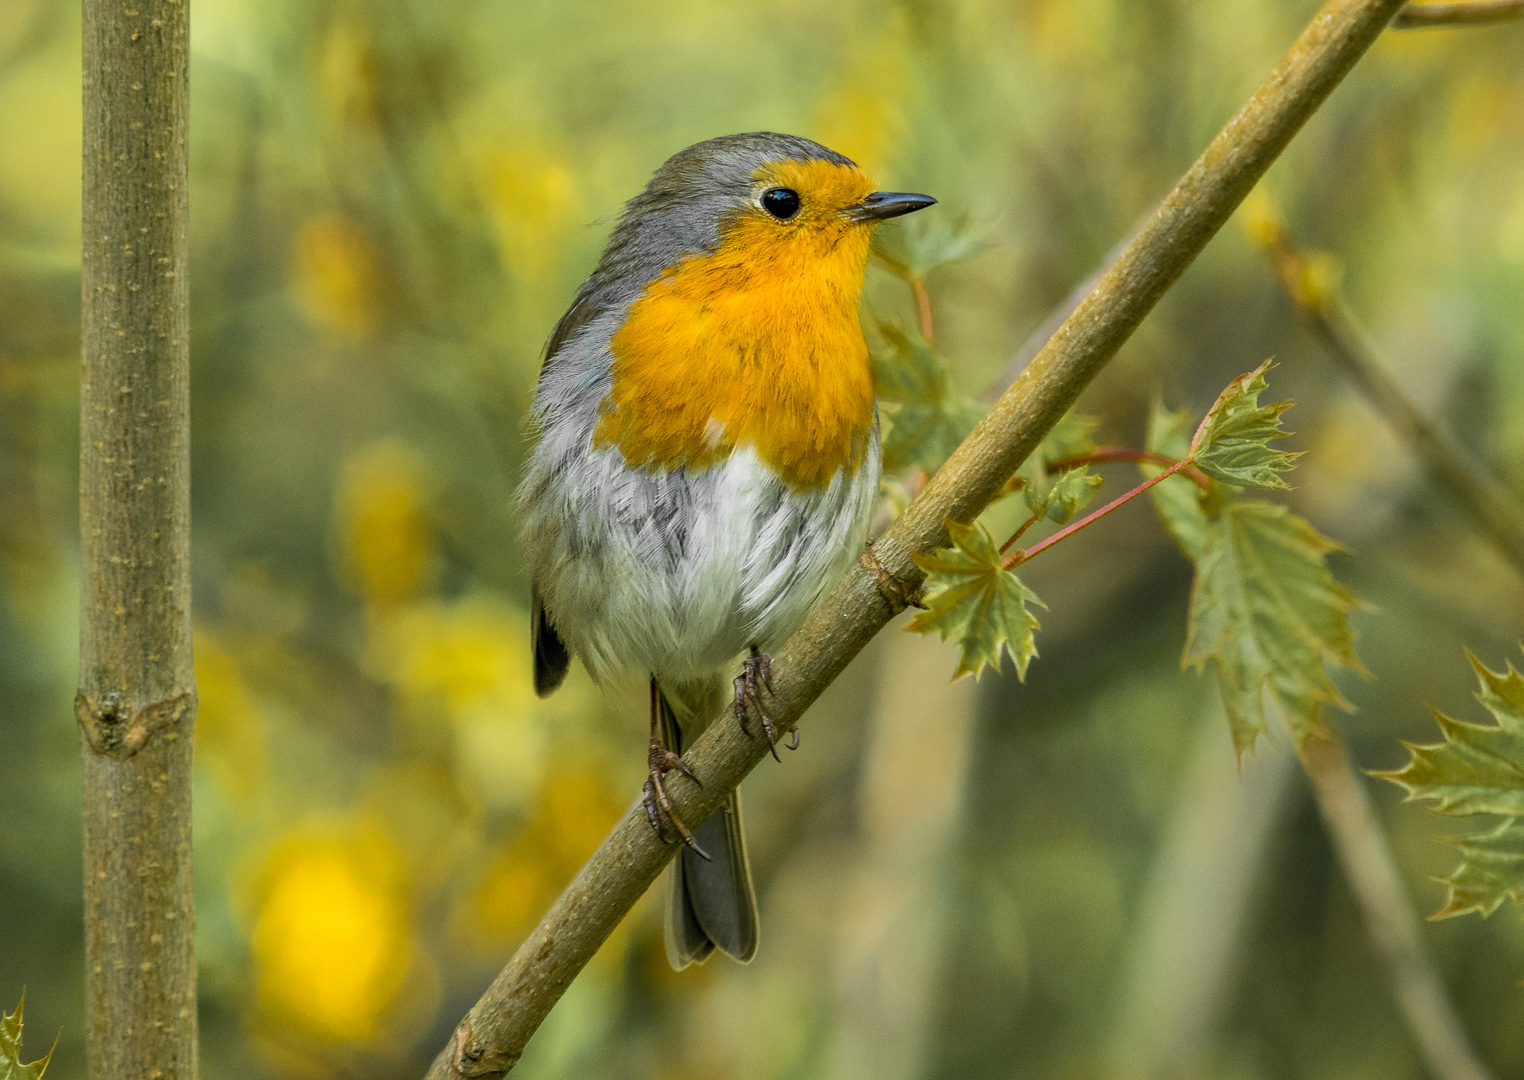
{"points": [[757, 676], [658, 802]]}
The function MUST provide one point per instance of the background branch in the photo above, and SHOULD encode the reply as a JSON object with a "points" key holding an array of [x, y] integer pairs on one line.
{"points": [[1491, 506], [136, 697], [1420, 16], [1371, 873], [493, 1034]]}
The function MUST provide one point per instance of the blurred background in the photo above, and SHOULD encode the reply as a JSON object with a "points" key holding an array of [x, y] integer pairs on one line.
{"points": [[393, 201]]}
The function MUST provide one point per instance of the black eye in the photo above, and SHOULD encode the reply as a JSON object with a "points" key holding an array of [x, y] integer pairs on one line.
{"points": [[781, 202]]}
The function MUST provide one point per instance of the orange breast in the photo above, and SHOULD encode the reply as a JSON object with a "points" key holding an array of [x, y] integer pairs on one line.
{"points": [[757, 345]]}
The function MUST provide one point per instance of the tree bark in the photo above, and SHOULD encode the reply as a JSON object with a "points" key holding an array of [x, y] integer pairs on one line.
{"points": [[136, 701], [492, 1036]]}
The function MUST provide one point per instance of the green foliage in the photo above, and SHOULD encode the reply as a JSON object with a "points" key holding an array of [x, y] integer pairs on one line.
{"points": [[1065, 497], [11, 1067], [1232, 444], [1058, 498], [1478, 769], [914, 247], [1265, 607], [971, 599], [927, 418]]}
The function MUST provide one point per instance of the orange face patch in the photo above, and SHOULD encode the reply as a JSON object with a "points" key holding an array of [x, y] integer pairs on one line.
{"points": [[756, 345]]}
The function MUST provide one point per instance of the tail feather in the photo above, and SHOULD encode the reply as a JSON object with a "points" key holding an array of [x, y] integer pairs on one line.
{"points": [[710, 904], [551, 658]]}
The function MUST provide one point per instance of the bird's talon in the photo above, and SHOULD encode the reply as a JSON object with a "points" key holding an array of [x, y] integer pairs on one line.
{"points": [[756, 676], [793, 743]]}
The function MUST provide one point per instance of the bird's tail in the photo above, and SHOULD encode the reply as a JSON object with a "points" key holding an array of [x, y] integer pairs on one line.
{"points": [[711, 904]]}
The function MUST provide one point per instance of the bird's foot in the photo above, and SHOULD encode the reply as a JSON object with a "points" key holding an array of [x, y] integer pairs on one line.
{"points": [[757, 676], [659, 808]]}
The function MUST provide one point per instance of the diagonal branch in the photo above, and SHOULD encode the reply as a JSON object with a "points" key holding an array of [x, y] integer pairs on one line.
{"points": [[1371, 873], [489, 1041], [1492, 507], [1421, 16]]}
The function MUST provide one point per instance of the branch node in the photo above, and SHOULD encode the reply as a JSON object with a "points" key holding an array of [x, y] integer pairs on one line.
{"points": [[899, 592], [116, 730], [468, 1057]]}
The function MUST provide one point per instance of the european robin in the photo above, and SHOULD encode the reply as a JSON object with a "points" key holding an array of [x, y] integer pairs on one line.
{"points": [[707, 459]]}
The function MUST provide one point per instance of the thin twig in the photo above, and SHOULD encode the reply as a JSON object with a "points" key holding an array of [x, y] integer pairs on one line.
{"points": [[1494, 509], [1480, 13], [489, 1041], [1389, 918], [1102, 455], [922, 306], [1015, 536], [1016, 558]]}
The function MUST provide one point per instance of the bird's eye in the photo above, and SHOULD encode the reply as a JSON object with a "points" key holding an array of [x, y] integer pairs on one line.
{"points": [[781, 202]]}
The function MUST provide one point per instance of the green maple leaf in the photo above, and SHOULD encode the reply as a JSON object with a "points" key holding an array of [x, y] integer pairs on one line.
{"points": [[927, 418], [1478, 769], [971, 599], [11, 1067], [915, 247], [1267, 610], [1232, 444]]}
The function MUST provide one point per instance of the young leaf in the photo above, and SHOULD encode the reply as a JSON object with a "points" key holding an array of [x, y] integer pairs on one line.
{"points": [[1267, 610], [11, 1067], [1066, 496], [1478, 769], [1232, 443], [1070, 438], [970, 598], [913, 248], [927, 419]]}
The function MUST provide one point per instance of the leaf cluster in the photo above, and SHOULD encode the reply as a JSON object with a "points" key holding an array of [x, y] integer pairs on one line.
{"points": [[1477, 769], [927, 418], [1265, 608]]}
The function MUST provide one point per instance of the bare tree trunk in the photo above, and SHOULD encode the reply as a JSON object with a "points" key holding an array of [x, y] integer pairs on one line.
{"points": [[136, 702]]}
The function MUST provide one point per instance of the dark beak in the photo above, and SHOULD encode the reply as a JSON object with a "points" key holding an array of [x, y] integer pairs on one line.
{"points": [[888, 204]]}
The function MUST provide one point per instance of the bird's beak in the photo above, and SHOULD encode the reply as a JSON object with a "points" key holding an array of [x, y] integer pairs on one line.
{"points": [[888, 204]]}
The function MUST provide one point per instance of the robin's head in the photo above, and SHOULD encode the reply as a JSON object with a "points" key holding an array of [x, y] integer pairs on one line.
{"points": [[780, 203]]}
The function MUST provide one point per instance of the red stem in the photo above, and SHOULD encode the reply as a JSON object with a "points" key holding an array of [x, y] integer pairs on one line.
{"points": [[922, 306], [1104, 454], [1016, 558], [1017, 534]]}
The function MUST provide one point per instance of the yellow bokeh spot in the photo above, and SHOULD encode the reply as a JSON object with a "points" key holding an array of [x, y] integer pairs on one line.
{"points": [[861, 114], [347, 76], [533, 200], [229, 728], [334, 274], [388, 546], [1262, 218], [331, 941], [576, 810]]}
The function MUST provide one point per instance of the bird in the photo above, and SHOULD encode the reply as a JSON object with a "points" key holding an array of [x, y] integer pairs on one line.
{"points": [[705, 462]]}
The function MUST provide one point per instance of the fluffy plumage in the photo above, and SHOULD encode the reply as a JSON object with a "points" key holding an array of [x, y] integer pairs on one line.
{"points": [[708, 453]]}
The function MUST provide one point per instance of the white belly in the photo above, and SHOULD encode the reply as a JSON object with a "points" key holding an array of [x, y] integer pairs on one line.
{"points": [[674, 575]]}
